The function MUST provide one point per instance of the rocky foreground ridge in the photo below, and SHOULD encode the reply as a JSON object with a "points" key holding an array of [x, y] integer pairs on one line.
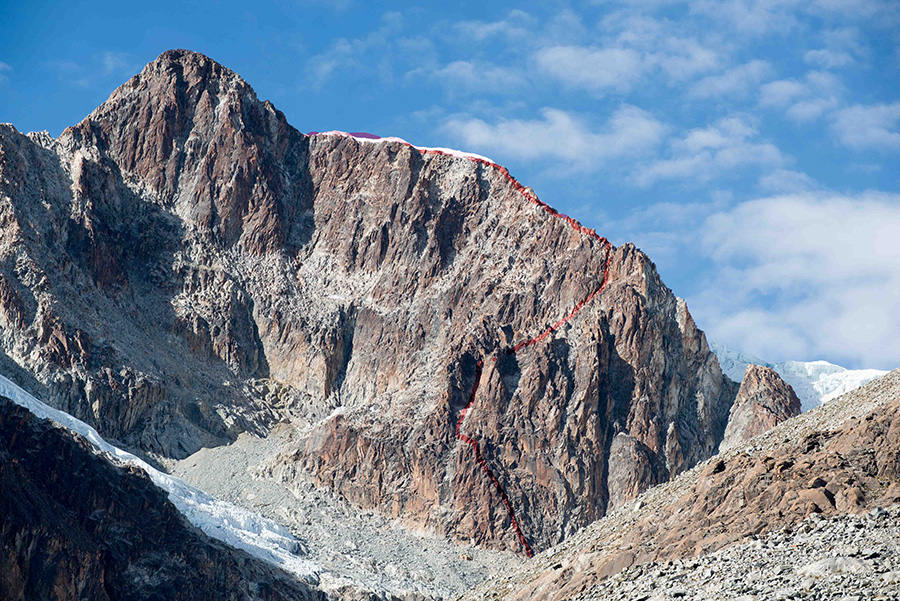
{"points": [[846, 558], [184, 265], [841, 458]]}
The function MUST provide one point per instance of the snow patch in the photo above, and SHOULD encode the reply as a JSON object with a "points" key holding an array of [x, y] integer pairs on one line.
{"points": [[234, 526], [367, 137]]}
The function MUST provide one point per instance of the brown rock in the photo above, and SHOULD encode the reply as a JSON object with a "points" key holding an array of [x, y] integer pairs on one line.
{"points": [[763, 401]]}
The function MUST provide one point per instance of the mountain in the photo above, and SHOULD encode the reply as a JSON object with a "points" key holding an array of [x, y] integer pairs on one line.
{"points": [[227, 523], [815, 382], [184, 266], [398, 370]]}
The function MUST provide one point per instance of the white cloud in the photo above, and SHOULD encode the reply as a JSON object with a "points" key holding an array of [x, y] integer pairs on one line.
{"points": [[101, 68], [830, 59], [818, 92], [516, 26], [749, 16], [562, 136], [843, 47], [115, 62], [806, 110], [806, 276], [785, 181], [874, 126], [374, 55], [781, 93], [336, 5], [591, 68], [469, 76], [885, 10], [683, 58], [702, 154], [734, 82], [4, 69], [641, 47]]}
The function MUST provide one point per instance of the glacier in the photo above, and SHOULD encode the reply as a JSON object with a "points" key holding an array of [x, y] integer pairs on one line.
{"points": [[260, 537]]}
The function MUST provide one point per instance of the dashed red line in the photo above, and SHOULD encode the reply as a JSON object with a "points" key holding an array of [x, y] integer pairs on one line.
{"points": [[484, 466], [479, 366]]}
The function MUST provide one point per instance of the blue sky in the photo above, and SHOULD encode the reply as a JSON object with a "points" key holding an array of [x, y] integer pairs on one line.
{"points": [[751, 147]]}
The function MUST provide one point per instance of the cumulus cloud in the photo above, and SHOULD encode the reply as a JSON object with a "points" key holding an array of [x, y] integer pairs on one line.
{"points": [[471, 76], [683, 58], [633, 47], [785, 181], [704, 153], [830, 59], [782, 92], [591, 68], [516, 25], [561, 136], [843, 47], [868, 127], [374, 56], [103, 67], [749, 16], [804, 276], [803, 100], [734, 82]]}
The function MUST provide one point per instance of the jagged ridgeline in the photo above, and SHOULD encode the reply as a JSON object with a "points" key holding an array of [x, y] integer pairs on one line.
{"points": [[184, 265]]}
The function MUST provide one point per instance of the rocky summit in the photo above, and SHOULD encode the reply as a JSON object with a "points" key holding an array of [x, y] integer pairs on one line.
{"points": [[763, 401], [374, 344]]}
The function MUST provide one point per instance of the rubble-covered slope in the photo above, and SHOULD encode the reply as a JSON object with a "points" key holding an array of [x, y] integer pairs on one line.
{"points": [[842, 557], [184, 265], [843, 457]]}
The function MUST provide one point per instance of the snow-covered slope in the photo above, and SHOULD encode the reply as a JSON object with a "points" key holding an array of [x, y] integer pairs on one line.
{"points": [[237, 527], [815, 382]]}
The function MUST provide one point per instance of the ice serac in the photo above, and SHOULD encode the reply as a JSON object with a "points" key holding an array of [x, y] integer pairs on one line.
{"points": [[184, 265], [763, 401]]}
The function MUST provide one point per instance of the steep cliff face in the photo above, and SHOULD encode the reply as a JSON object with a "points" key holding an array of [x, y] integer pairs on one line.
{"points": [[184, 265], [76, 527], [763, 401]]}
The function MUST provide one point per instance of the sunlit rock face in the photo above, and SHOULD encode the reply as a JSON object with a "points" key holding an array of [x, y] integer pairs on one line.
{"points": [[763, 401]]}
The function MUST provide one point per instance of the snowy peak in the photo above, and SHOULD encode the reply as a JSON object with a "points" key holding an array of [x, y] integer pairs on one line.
{"points": [[815, 382]]}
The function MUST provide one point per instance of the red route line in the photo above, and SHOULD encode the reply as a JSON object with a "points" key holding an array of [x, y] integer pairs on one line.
{"points": [[484, 466], [479, 366]]}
